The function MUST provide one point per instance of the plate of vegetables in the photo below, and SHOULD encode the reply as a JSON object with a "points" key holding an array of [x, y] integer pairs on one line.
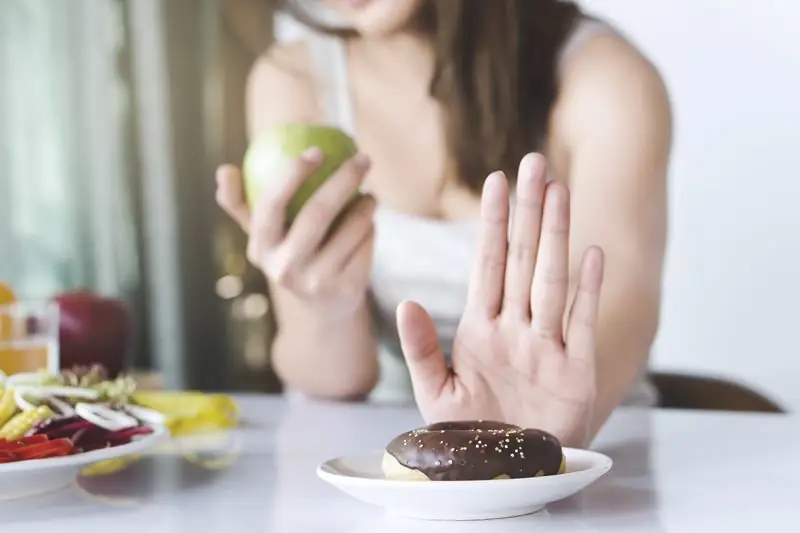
{"points": [[52, 426]]}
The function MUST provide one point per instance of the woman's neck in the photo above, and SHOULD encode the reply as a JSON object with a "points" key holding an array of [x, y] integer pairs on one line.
{"points": [[401, 56]]}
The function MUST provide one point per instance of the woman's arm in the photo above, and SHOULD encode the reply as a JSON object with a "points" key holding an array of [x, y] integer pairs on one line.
{"points": [[613, 132], [318, 350]]}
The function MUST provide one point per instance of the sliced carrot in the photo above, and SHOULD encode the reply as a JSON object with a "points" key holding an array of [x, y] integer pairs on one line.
{"points": [[52, 448], [33, 439]]}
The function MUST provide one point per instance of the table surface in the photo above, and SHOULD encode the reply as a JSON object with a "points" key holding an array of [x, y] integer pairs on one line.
{"points": [[673, 471]]}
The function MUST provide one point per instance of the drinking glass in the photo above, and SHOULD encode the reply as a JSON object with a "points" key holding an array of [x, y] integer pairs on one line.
{"points": [[29, 337]]}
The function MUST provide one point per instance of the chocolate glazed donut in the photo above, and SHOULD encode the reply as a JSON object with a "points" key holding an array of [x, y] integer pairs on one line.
{"points": [[472, 450]]}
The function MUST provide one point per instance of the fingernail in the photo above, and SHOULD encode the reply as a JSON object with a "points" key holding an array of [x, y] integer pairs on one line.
{"points": [[362, 161], [312, 155], [557, 192], [530, 168], [493, 187]]}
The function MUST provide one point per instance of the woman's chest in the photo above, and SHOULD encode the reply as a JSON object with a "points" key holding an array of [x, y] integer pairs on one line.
{"points": [[411, 172]]}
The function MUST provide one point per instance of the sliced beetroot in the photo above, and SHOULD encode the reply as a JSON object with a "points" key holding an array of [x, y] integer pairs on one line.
{"points": [[55, 424], [92, 438], [97, 438], [86, 436], [68, 430]]}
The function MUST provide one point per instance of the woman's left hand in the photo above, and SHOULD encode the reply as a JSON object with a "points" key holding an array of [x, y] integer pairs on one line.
{"points": [[518, 357]]}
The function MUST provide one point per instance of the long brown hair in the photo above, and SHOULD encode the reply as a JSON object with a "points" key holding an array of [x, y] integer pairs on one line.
{"points": [[495, 75]]}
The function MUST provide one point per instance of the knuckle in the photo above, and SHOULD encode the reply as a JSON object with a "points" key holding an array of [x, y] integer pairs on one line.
{"points": [[278, 268], [492, 261], [270, 202], [547, 333], [584, 316], [557, 228], [299, 170], [521, 252], [588, 320], [529, 203], [354, 169], [554, 276], [312, 284], [279, 274], [321, 210]]}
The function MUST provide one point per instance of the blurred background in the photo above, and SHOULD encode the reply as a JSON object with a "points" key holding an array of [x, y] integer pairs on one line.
{"points": [[115, 113]]}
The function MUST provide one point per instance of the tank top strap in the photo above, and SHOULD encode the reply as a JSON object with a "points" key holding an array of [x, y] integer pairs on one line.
{"points": [[586, 29], [329, 54]]}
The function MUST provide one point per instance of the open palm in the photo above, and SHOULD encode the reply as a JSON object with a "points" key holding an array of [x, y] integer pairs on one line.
{"points": [[513, 359]]}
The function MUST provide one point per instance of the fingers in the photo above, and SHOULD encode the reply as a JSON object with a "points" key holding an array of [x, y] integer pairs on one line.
{"points": [[268, 221], [486, 283], [230, 195], [424, 356], [551, 275], [314, 220], [356, 268], [355, 230], [524, 241], [582, 324]]}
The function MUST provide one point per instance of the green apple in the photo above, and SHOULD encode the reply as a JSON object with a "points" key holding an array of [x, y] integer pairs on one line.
{"points": [[271, 152]]}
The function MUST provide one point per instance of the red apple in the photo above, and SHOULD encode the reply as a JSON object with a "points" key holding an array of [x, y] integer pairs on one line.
{"points": [[94, 329]]}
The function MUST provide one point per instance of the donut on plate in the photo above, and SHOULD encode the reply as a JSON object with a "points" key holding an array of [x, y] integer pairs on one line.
{"points": [[472, 450]]}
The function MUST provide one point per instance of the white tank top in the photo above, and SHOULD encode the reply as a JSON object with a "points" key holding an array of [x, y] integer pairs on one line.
{"points": [[420, 259]]}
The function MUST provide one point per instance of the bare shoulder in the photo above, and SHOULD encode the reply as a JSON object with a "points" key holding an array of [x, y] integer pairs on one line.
{"points": [[282, 87], [612, 95]]}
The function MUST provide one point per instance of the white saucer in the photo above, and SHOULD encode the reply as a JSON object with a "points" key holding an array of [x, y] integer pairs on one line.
{"points": [[361, 477], [39, 476]]}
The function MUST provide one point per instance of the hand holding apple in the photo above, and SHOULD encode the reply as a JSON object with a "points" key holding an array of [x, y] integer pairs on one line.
{"points": [[273, 150], [311, 232]]}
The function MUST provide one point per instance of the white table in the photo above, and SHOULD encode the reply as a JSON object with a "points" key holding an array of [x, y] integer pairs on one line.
{"points": [[673, 472]]}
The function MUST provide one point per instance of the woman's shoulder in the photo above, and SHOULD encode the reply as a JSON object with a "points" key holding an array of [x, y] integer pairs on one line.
{"points": [[282, 85], [599, 55], [609, 88]]}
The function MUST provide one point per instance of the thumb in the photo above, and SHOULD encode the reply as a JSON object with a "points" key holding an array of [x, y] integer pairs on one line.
{"points": [[231, 196], [423, 354]]}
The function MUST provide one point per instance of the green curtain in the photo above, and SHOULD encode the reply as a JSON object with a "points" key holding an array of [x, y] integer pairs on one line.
{"points": [[61, 155], [112, 121]]}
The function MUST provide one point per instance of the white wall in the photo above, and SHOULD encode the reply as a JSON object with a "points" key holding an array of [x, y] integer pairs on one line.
{"points": [[732, 290]]}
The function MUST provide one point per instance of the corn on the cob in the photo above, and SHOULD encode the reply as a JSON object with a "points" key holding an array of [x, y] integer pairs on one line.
{"points": [[8, 405], [17, 427]]}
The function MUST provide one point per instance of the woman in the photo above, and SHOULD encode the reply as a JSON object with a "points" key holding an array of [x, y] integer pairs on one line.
{"points": [[439, 95]]}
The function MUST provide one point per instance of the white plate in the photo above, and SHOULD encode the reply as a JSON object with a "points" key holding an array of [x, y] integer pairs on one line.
{"points": [[362, 478], [39, 476]]}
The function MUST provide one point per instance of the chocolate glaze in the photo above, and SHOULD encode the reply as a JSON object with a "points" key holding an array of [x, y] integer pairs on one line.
{"points": [[476, 450]]}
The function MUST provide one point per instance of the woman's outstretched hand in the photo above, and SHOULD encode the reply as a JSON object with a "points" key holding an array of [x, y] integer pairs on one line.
{"points": [[520, 354]]}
